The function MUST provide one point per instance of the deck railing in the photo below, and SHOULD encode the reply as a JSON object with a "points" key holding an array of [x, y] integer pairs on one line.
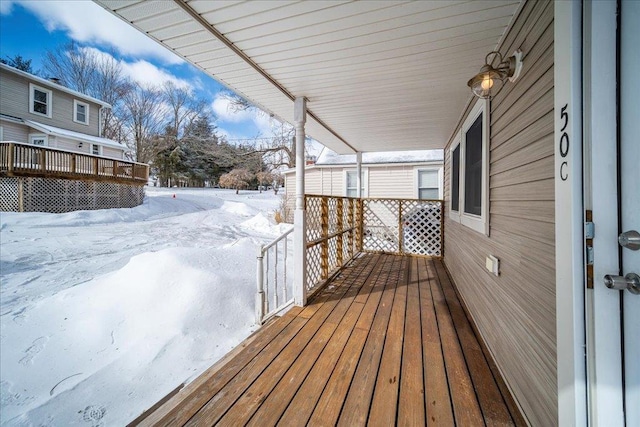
{"points": [[334, 235], [274, 277], [17, 159], [338, 228], [403, 226]]}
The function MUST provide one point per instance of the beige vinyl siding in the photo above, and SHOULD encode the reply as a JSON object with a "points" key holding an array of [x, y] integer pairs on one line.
{"points": [[14, 132], [336, 181], [515, 312], [392, 182], [14, 96], [312, 183]]}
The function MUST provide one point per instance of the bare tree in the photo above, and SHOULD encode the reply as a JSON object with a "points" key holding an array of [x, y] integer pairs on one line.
{"points": [[96, 74], [73, 66], [111, 86], [264, 178], [278, 150], [183, 105], [145, 116], [237, 179]]}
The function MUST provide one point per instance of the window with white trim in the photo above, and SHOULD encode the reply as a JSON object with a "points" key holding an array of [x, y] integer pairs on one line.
{"points": [[351, 185], [96, 149], [40, 100], [38, 139], [80, 112], [428, 184], [469, 168]]}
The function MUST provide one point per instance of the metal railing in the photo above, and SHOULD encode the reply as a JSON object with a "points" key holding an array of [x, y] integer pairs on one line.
{"points": [[274, 277], [18, 159]]}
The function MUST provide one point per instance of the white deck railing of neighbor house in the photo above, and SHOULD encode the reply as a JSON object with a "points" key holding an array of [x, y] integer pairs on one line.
{"points": [[274, 277]]}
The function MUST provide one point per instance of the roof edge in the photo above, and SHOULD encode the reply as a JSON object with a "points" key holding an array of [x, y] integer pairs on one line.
{"points": [[53, 85]]}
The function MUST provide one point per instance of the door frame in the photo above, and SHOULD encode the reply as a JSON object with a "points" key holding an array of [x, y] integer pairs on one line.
{"points": [[569, 235], [603, 321]]}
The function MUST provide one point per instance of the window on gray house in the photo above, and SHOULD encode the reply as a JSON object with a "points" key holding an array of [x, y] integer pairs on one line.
{"points": [[40, 101], [473, 168], [455, 179]]}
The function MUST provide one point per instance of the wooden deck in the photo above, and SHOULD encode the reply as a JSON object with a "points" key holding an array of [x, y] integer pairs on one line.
{"points": [[386, 343]]}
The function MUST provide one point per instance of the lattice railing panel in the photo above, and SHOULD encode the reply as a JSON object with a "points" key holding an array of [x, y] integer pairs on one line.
{"points": [[340, 227], [422, 228], [380, 225], [314, 218], [314, 269], [331, 235], [22, 194], [402, 226]]}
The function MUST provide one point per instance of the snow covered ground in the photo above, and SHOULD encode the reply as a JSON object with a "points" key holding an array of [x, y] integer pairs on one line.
{"points": [[102, 313]]}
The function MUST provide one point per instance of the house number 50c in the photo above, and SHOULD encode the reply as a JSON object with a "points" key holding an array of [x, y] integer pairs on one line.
{"points": [[564, 143]]}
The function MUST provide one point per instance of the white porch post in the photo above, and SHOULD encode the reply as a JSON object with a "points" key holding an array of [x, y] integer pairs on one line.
{"points": [[359, 174], [299, 220]]}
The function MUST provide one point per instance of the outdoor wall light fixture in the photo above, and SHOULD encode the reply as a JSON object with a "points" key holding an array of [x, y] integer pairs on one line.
{"points": [[490, 78]]}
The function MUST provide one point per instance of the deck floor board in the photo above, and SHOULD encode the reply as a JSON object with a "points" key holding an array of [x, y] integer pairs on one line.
{"points": [[388, 342]]}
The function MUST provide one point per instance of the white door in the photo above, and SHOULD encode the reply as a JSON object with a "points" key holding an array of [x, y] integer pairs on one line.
{"points": [[630, 197]]}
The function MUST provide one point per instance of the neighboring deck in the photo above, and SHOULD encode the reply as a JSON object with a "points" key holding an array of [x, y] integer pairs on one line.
{"points": [[386, 343]]}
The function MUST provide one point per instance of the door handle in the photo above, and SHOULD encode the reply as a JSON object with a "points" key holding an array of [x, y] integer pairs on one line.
{"points": [[630, 240], [630, 282]]}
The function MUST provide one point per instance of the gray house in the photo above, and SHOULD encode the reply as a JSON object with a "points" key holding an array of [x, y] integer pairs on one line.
{"points": [[37, 111], [52, 155]]}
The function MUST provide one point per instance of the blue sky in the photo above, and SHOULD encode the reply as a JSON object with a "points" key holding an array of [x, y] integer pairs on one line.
{"points": [[31, 28]]}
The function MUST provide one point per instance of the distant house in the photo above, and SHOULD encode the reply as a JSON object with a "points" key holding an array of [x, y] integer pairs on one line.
{"points": [[52, 155], [397, 174], [37, 111]]}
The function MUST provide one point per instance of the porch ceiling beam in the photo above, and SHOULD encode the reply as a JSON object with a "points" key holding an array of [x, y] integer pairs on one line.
{"points": [[214, 32]]}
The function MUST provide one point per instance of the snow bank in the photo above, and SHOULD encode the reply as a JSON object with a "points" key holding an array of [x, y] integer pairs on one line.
{"points": [[265, 223], [126, 305]]}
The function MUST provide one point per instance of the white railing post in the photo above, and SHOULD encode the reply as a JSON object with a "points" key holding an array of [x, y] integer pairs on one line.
{"points": [[284, 275], [359, 174], [299, 220], [260, 285]]}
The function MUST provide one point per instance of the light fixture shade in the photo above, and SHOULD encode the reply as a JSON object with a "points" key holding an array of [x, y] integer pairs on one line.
{"points": [[490, 79], [486, 82]]}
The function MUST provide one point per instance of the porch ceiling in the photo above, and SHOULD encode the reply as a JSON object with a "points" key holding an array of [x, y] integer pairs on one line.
{"points": [[379, 75]]}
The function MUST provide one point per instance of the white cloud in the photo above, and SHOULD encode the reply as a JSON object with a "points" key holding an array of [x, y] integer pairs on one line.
{"points": [[87, 22], [146, 73], [259, 119], [142, 71], [221, 107], [6, 7]]}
